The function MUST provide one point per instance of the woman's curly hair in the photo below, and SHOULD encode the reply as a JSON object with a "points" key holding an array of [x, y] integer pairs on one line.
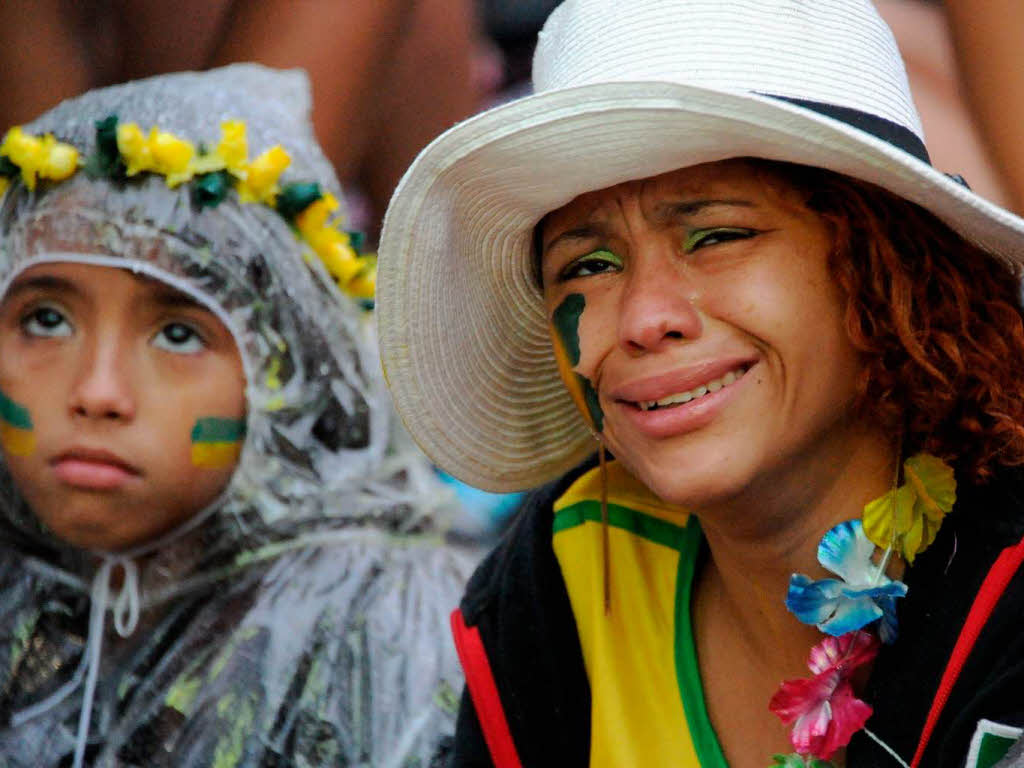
{"points": [[938, 320]]}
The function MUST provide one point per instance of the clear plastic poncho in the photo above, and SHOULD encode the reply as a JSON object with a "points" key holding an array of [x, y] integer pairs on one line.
{"points": [[302, 619]]}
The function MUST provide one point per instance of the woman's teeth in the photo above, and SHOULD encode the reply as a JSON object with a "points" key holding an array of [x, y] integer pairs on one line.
{"points": [[697, 392]]}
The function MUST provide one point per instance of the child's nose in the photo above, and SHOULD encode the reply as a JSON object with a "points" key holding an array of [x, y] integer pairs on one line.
{"points": [[102, 389]]}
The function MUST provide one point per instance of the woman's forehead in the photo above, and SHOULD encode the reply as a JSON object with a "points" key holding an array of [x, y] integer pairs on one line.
{"points": [[740, 179]]}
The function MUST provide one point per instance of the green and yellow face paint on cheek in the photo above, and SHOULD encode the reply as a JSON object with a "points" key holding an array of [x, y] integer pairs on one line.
{"points": [[16, 431], [217, 443], [565, 336]]}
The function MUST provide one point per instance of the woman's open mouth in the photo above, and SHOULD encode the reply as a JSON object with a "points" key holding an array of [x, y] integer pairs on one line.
{"points": [[683, 401], [696, 393]]}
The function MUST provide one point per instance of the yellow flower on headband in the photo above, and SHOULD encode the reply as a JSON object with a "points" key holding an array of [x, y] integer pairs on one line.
{"points": [[231, 152], [908, 518], [333, 246], [233, 147], [259, 184], [39, 157], [364, 284], [124, 148], [160, 152]]}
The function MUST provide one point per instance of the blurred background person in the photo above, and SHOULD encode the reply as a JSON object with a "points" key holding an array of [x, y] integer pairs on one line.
{"points": [[987, 35], [388, 75], [941, 92]]}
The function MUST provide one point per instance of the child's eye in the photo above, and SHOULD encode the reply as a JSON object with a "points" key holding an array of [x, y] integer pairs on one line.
{"points": [[594, 263], [700, 238], [180, 338], [46, 322]]}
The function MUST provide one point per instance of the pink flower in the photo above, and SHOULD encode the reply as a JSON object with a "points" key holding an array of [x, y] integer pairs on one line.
{"points": [[824, 709]]}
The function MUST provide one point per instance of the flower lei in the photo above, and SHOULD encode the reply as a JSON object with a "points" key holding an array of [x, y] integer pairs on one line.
{"points": [[823, 711], [123, 150]]}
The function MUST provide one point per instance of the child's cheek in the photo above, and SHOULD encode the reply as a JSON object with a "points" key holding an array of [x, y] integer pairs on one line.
{"points": [[565, 335], [217, 442], [16, 430]]}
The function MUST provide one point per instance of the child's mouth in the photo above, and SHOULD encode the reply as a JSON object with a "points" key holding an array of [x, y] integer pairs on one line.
{"points": [[93, 470]]}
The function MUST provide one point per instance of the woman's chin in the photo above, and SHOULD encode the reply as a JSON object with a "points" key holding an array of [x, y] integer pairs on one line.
{"points": [[692, 484]]}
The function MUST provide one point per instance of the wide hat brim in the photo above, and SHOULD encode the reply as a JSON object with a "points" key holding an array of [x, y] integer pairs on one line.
{"points": [[463, 335]]}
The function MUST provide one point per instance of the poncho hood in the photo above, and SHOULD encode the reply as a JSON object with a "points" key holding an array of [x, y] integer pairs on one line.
{"points": [[284, 619]]}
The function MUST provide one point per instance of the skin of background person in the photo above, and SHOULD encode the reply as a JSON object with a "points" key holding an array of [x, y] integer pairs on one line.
{"points": [[388, 75], [953, 130], [53, 49], [988, 35]]}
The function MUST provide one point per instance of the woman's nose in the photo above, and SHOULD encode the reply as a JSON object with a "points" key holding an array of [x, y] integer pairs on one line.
{"points": [[102, 388], [657, 306]]}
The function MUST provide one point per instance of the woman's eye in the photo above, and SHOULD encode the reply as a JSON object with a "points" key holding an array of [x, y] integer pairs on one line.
{"points": [[46, 322], [180, 338], [595, 263], [701, 238]]}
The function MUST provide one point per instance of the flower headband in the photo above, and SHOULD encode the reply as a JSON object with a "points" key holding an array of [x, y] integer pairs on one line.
{"points": [[123, 150]]}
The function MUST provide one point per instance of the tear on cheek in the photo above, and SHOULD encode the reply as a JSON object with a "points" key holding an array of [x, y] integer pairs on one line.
{"points": [[217, 443], [17, 434]]}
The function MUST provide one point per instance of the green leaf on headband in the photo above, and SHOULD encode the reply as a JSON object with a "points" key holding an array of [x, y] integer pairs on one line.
{"points": [[106, 161], [356, 240], [7, 168], [210, 189], [295, 198]]}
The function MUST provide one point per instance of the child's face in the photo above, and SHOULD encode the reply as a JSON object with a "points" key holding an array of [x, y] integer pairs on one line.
{"points": [[123, 402]]}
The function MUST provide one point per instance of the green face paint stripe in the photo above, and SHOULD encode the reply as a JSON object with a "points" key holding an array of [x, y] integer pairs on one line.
{"points": [[14, 414], [212, 430], [593, 405], [566, 320]]}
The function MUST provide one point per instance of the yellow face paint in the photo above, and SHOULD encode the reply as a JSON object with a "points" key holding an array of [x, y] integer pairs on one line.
{"points": [[16, 433], [565, 325], [217, 443]]}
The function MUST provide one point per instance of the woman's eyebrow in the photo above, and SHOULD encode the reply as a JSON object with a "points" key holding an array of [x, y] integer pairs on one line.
{"points": [[691, 207], [584, 232]]}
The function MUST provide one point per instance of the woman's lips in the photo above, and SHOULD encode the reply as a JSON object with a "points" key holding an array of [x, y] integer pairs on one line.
{"points": [[682, 417], [93, 470], [681, 380]]}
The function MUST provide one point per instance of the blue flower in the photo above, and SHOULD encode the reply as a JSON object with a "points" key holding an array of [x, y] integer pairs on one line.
{"points": [[858, 597]]}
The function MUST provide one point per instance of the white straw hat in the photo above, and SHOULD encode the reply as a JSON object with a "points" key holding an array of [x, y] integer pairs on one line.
{"points": [[625, 89]]}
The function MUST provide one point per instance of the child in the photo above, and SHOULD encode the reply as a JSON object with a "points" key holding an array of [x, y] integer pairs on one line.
{"points": [[196, 439]]}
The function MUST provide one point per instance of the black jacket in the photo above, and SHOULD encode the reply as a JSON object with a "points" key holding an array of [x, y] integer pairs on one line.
{"points": [[517, 600]]}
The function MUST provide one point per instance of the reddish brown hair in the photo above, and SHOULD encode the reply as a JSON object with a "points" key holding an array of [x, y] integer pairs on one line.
{"points": [[939, 322]]}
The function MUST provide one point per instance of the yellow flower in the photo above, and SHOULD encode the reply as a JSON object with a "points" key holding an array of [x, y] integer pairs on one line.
{"points": [[364, 284], [231, 152], [233, 147], [172, 157], [340, 260], [160, 152], [260, 181], [25, 151], [134, 149], [38, 157], [60, 161], [908, 518], [314, 218], [331, 244]]}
